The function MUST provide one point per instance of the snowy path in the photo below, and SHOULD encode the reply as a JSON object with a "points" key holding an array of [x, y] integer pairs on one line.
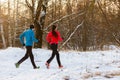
{"points": [[94, 65]]}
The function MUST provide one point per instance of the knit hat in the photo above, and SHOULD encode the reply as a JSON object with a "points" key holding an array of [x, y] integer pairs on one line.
{"points": [[53, 27], [31, 26]]}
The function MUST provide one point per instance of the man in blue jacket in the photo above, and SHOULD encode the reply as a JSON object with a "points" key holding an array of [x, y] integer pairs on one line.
{"points": [[29, 38]]}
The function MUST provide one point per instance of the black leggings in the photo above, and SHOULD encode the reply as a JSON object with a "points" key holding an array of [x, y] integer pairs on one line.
{"points": [[28, 54], [54, 52]]}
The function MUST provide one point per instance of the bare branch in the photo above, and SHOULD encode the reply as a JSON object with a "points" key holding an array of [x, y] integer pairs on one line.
{"points": [[103, 13], [28, 4], [38, 9], [116, 39], [72, 34], [62, 19]]}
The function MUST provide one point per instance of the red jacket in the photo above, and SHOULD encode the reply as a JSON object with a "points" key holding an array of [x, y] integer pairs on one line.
{"points": [[52, 39]]}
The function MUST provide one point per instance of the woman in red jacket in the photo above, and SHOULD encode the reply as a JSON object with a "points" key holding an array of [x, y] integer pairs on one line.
{"points": [[53, 37]]}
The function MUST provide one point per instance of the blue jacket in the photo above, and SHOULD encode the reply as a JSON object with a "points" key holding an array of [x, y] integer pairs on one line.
{"points": [[28, 37]]}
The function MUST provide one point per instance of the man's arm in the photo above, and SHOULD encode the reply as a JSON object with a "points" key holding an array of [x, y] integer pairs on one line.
{"points": [[22, 38], [33, 37]]}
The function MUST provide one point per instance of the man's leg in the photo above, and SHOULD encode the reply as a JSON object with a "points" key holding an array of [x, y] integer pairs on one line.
{"points": [[23, 59], [32, 57]]}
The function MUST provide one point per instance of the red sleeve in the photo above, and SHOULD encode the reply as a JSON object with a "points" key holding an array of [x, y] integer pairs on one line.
{"points": [[59, 36], [48, 37]]}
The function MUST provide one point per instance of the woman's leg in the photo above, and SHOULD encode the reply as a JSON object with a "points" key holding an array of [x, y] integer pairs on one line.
{"points": [[53, 54], [58, 58], [57, 55], [51, 58]]}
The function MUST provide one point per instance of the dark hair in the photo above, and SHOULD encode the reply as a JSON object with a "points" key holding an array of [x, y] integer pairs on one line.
{"points": [[31, 26], [53, 31]]}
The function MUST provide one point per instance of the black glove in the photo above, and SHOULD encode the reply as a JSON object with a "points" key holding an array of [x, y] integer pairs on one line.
{"points": [[23, 44], [38, 40]]}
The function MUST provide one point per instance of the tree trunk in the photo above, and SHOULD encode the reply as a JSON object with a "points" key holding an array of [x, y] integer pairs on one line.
{"points": [[9, 27], [84, 35], [40, 26], [39, 34], [2, 35]]}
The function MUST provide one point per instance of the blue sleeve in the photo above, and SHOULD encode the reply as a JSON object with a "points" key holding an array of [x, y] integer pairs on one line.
{"points": [[33, 37], [22, 37]]}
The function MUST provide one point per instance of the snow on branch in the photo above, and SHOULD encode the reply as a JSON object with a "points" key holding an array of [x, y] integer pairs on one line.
{"points": [[42, 13], [62, 19], [72, 34]]}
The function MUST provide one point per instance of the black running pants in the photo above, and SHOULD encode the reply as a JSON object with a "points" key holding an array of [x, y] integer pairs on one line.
{"points": [[28, 54], [54, 52]]}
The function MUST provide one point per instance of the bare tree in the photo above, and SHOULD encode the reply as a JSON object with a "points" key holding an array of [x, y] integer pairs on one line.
{"points": [[10, 36], [38, 16]]}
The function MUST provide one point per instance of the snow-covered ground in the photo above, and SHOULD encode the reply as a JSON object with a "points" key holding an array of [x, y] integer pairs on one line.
{"points": [[92, 65]]}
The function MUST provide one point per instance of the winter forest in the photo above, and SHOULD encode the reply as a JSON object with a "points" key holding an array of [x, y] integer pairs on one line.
{"points": [[84, 24], [90, 49]]}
